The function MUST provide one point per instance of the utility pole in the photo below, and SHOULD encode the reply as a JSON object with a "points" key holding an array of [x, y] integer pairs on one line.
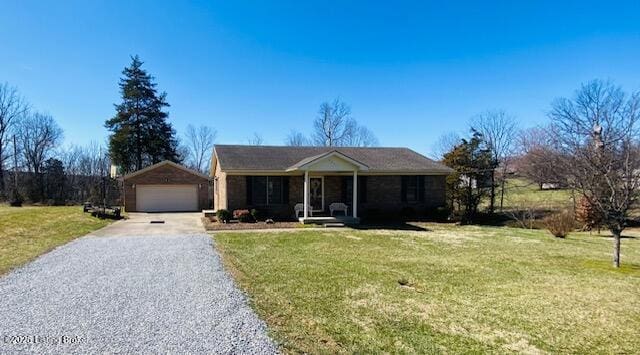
{"points": [[104, 187], [15, 163], [15, 199]]}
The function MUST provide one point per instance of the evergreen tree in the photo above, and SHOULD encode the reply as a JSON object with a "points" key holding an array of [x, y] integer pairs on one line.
{"points": [[54, 181], [470, 182], [141, 134]]}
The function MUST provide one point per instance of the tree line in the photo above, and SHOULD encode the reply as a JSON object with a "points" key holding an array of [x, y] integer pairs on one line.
{"points": [[34, 166], [590, 145]]}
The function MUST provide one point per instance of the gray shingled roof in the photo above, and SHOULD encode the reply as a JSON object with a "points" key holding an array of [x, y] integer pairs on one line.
{"points": [[271, 158]]}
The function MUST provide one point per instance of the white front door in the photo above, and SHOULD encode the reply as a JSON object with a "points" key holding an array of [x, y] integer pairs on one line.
{"points": [[316, 193]]}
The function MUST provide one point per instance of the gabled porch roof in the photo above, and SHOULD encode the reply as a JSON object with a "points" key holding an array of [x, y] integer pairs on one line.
{"points": [[329, 161]]}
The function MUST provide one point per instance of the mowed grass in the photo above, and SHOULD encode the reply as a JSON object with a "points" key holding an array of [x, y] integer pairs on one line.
{"points": [[27, 232], [520, 193], [466, 289]]}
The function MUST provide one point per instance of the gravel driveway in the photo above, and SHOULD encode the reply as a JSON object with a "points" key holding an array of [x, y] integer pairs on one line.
{"points": [[150, 294]]}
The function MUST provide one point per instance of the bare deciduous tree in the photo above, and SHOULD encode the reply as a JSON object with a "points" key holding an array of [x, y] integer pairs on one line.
{"points": [[444, 144], [499, 132], [256, 139], [200, 144], [334, 127], [79, 167], [296, 139], [12, 108], [360, 136], [539, 158], [86, 169], [332, 123], [39, 134], [597, 132]]}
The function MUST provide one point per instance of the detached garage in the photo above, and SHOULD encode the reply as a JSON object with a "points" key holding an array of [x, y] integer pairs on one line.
{"points": [[166, 187]]}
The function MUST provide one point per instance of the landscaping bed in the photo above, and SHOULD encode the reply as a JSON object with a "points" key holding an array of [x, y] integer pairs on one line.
{"points": [[444, 288], [236, 225]]}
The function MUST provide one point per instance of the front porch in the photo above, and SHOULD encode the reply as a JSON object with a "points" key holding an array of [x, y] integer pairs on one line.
{"points": [[314, 207]]}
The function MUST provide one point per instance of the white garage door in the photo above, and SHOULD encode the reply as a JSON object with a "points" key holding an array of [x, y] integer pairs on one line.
{"points": [[166, 198]]}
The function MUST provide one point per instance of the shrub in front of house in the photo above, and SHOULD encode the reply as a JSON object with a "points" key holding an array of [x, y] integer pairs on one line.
{"points": [[223, 216], [560, 224], [243, 216], [438, 214]]}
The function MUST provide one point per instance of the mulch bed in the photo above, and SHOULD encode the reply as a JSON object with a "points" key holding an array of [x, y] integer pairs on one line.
{"points": [[234, 225]]}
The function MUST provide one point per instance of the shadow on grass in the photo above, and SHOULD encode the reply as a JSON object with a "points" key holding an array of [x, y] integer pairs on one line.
{"points": [[607, 266], [399, 226], [609, 236]]}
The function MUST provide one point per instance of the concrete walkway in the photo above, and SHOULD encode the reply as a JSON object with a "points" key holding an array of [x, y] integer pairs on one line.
{"points": [[132, 287]]}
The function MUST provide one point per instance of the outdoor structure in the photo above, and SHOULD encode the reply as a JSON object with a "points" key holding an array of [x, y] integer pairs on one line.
{"points": [[165, 187], [312, 183]]}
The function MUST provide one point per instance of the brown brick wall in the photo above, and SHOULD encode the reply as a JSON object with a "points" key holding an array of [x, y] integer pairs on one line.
{"points": [[236, 192], [333, 191], [237, 197], [165, 175], [219, 190], [383, 195]]}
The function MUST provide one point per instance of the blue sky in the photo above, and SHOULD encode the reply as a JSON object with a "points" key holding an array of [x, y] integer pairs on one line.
{"points": [[411, 71]]}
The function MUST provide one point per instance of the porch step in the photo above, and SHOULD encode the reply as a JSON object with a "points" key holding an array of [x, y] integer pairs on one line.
{"points": [[337, 221], [334, 225]]}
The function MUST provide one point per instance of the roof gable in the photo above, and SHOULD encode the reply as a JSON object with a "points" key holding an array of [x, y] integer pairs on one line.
{"points": [[330, 161], [160, 164]]}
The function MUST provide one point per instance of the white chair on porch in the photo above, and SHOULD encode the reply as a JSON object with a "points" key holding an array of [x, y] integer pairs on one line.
{"points": [[338, 207], [299, 209]]}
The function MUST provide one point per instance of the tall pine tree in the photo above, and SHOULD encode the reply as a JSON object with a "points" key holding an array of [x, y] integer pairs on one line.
{"points": [[141, 135]]}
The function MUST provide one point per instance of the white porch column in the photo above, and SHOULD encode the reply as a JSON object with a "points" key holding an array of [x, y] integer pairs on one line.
{"points": [[306, 194], [355, 194]]}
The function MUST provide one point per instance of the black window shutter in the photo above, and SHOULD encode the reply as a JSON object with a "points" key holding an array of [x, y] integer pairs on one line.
{"points": [[362, 189], [345, 198], [249, 190], [421, 188], [285, 190], [403, 189]]}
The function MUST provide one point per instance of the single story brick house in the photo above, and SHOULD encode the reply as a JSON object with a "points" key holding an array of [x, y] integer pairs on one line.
{"points": [[165, 187], [308, 182]]}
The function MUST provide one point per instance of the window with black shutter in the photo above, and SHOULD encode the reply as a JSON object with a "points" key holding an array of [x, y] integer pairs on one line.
{"points": [[362, 189], [259, 190], [274, 189], [412, 188], [347, 189], [267, 190]]}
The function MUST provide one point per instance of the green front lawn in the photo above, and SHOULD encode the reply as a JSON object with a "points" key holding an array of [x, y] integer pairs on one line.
{"points": [[450, 289], [26, 232]]}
